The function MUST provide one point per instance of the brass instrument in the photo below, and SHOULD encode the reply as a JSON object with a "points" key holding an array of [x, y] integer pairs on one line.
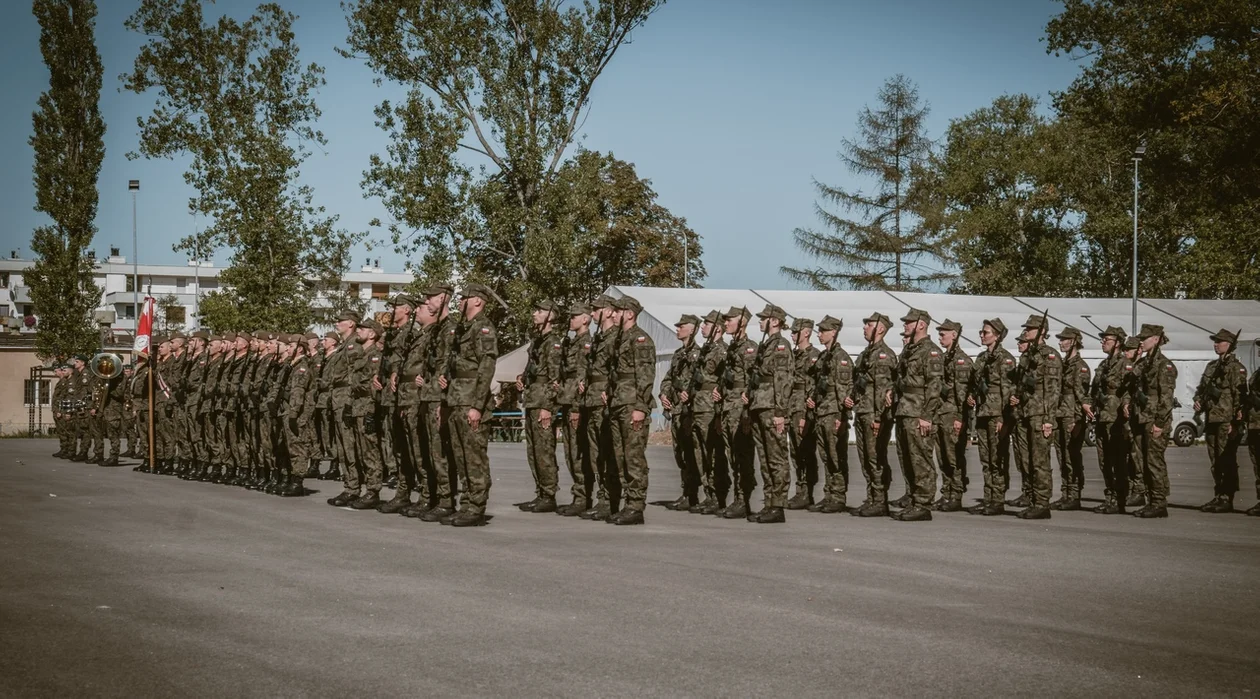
{"points": [[106, 366]]}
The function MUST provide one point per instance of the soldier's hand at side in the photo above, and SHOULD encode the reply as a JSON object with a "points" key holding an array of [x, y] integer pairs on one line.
{"points": [[1126, 410], [665, 403], [848, 401], [957, 427], [809, 403], [744, 397], [1014, 400], [683, 396], [1046, 429], [437, 416], [1089, 412], [419, 380], [888, 398], [971, 401], [581, 387], [999, 426], [800, 427], [875, 429], [575, 418], [474, 417], [520, 384], [636, 419], [1229, 429], [442, 382], [603, 395], [779, 423], [925, 427], [393, 383], [1197, 407], [376, 383], [838, 425], [716, 396], [1156, 431], [544, 419]]}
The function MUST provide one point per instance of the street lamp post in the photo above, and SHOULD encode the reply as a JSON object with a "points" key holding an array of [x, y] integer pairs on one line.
{"points": [[133, 186], [1137, 158], [686, 270]]}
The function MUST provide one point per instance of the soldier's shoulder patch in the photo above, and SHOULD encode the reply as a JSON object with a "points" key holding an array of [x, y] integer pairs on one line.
{"points": [[962, 362], [844, 362], [1242, 369], [883, 356], [1051, 356], [1128, 367], [934, 353], [813, 360], [484, 331], [1170, 367], [555, 346], [750, 350], [302, 369], [1084, 370], [780, 348], [1010, 361], [641, 338], [376, 359], [586, 345]]}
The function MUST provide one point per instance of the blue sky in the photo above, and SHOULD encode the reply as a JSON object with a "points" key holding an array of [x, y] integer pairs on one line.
{"points": [[730, 108]]}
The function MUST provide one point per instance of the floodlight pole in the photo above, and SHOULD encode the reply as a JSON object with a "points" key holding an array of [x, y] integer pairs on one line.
{"points": [[1137, 157], [134, 186]]}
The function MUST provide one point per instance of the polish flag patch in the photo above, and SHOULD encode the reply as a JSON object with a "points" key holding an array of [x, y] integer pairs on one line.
{"points": [[883, 356], [484, 331], [750, 350], [780, 348], [843, 363], [641, 338]]}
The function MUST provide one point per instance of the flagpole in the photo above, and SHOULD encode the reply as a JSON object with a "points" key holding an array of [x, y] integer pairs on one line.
{"points": [[152, 363]]}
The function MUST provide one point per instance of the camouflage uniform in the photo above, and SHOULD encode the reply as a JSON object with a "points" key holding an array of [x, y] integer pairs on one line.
{"points": [[918, 390], [876, 368], [801, 432], [1157, 381], [366, 430], [631, 390], [1070, 430], [1111, 430], [991, 391], [473, 355], [1039, 393], [541, 379], [437, 420], [706, 420], [737, 439], [61, 418], [833, 382], [598, 427], [296, 409], [1220, 400], [769, 397], [951, 445], [681, 421], [405, 365], [576, 451]]}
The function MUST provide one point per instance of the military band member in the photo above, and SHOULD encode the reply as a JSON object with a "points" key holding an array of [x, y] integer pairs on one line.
{"points": [[1219, 398]]}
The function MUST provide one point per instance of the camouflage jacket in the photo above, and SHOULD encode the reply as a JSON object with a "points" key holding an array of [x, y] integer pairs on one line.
{"points": [[955, 386], [299, 398], [1156, 386], [992, 384], [634, 375], [473, 354], [874, 376], [804, 364], [542, 370], [706, 376], [1074, 388], [1105, 395], [771, 389], [599, 366], [1221, 389], [411, 361], [366, 365], [1040, 384], [920, 371], [741, 354], [1253, 402], [833, 381], [577, 352], [438, 361], [681, 368], [338, 368]]}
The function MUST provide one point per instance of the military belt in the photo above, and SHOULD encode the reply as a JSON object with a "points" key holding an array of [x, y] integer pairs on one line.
{"points": [[596, 377], [707, 386], [465, 374], [625, 374]]}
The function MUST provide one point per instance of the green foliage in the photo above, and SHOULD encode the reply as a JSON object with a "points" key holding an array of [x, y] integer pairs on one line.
{"points": [[889, 248], [68, 143], [234, 98], [504, 83]]}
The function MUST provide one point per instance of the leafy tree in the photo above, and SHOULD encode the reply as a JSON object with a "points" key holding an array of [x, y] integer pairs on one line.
{"points": [[170, 314], [1183, 80], [888, 248], [69, 147], [505, 83], [234, 98]]}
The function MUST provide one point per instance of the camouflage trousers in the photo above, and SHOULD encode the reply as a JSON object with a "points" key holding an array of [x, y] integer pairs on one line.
{"points": [[113, 423], [600, 454], [540, 451], [710, 456], [469, 449], [439, 443], [1069, 443], [1019, 442], [1111, 440], [914, 452], [833, 445], [630, 455], [1223, 440], [412, 475], [739, 449], [995, 457], [297, 445], [682, 434], [98, 432], [387, 434], [576, 453], [1134, 467], [804, 442], [1253, 448], [951, 454], [773, 456], [1041, 484], [368, 450], [1151, 450], [872, 449]]}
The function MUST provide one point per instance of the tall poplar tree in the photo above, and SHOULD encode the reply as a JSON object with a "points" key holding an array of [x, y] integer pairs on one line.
{"points": [[887, 247], [69, 147]]}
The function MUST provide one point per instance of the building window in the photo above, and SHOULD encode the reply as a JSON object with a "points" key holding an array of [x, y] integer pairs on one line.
{"points": [[181, 283], [353, 289], [4, 311], [129, 311], [4, 280], [175, 315], [35, 392], [131, 284], [380, 291]]}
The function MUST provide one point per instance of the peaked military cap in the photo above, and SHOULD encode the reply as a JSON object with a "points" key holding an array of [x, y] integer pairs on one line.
{"points": [[177, 335], [830, 323], [331, 335], [229, 336], [629, 303], [603, 301], [480, 291], [1113, 331], [713, 316], [435, 289], [948, 324], [548, 305], [1224, 335], [1070, 333], [201, 335], [915, 315], [1132, 342], [405, 300], [737, 313], [372, 325], [880, 318], [1150, 330], [998, 326], [686, 319], [348, 316], [1034, 321], [773, 311], [310, 336], [579, 309]]}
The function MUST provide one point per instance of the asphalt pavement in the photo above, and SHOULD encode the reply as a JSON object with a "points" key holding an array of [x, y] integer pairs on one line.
{"points": [[116, 583]]}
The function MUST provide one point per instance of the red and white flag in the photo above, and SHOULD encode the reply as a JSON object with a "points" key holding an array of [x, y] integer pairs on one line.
{"points": [[144, 330]]}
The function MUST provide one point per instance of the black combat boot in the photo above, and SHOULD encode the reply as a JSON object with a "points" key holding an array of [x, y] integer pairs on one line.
{"points": [[466, 519], [682, 503], [142, 468], [395, 504], [626, 517], [874, 508], [544, 506], [292, 489], [1109, 506], [600, 512], [914, 513], [994, 509], [902, 502], [1152, 511], [737, 510], [333, 473], [436, 514], [771, 515], [417, 510], [977, 509], [345, 498], [1254, 510], [1022, 501], [1135, 500], [111, 461], [312, 471], [1034, 512]]}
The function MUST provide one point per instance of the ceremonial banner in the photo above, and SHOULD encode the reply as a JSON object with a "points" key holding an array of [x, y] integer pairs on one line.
{"points": [[145, 329]]}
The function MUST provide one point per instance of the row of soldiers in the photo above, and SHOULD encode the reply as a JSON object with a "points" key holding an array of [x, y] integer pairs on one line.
{"points": [[794, 405]]}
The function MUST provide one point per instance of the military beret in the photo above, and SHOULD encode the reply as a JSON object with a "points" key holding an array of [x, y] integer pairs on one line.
{"points": [[435, 289], [1150, 330], [737, 313], [1034, 321], [602, 301], [480, 291], [1070, 333], [713, 316], [915, 315], [998, 326], [548, 306], [579, 309], [948, 324], [687, 318], [773, 311], [371, 324], [404, 300], [1132, 343], [800, 324], [630, 303], [348, 315], [830, 323], [1224, 335], [1113, 331], [878, 318]]}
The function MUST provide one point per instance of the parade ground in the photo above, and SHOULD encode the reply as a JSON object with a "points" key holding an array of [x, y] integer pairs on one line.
{"points": [[116, 583]]}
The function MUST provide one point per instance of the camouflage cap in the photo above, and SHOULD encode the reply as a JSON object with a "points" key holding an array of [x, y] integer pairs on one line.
{"points": [[548, 305], [686, 319], [1224, 335], [331, 335], [713, 316], [800, 324], [773, 311], [475, 290], [880, 318], [405, 300], [629, 303], [579, 309], [915, 315], [435, 289], [177, 335], [1113, 331], [1132, 343], [998, 327], [830, 323], [201, 335], [310, 336], [1069, 333], [603, 301], [1150, 330], [372, 325], [348, 316], [948, 324], [1034, 322], [740, 312]]}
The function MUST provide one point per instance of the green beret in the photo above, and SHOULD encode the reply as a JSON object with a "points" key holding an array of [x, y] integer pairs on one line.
{"points": [[201, 335], [948, 324], [880, 318], [331, 335], [686, 319], [81, 357], [310, 336], [830, 323], [915, 315]]}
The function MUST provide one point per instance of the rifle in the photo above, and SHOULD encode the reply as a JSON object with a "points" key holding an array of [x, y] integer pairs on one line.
{"points": [[453, 353]]}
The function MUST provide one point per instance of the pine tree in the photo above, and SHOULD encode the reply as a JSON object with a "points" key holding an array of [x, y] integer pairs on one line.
{"points": [[888, 248], [69, 147]]}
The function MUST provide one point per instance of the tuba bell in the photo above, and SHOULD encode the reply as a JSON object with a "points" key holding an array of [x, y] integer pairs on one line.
{"points": [[106, 366]]}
